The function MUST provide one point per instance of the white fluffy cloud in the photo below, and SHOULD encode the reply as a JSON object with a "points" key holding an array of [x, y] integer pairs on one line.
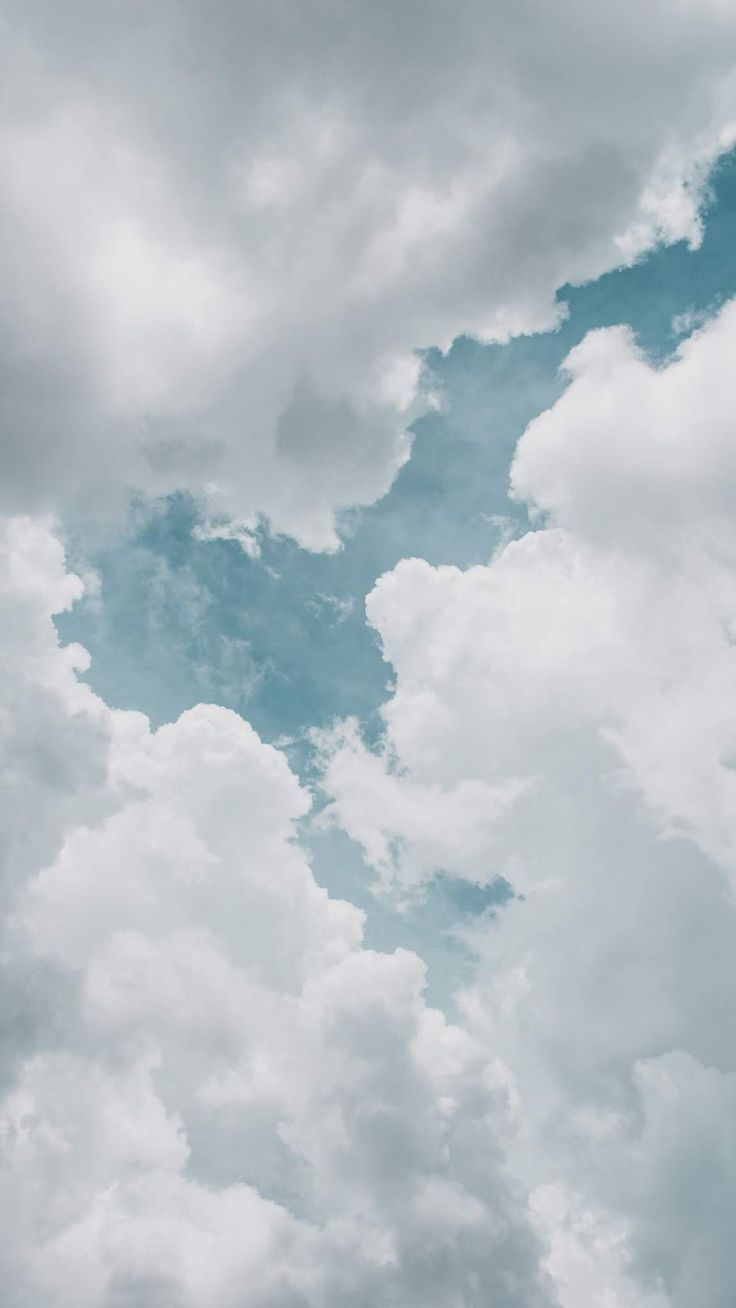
{"points": [[225, 231], [227, 228], [220, 1095], [591, 666], [604, 640]]}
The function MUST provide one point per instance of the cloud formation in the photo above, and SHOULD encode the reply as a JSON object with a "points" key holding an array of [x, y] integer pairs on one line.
{"points": [[227, 229], [590, 665], [211, 1088], [220, 1094]]}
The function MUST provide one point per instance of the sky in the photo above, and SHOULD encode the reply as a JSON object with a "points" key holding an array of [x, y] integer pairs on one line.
{"points": [[368, 717]]}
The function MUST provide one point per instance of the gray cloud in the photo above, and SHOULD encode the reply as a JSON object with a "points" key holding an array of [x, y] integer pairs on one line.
{"points": [[211, 214]]}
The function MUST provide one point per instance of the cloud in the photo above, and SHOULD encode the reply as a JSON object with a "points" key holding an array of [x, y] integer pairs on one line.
{"points": [[591, 665], [225, 233], [219, 1094], [423, 828]]}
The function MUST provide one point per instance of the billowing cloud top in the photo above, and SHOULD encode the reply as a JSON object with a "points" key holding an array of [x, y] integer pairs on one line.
{"points": [[227, 228], [218, 1094], [564, 717]]}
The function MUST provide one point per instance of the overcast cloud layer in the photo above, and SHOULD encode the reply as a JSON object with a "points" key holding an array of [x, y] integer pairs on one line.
{"points": [[227, 229]]}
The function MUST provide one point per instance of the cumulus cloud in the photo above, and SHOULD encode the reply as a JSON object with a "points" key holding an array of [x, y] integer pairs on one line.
{"points": [[423, 827], [591, 664], [220, 1095], [227, 229]]}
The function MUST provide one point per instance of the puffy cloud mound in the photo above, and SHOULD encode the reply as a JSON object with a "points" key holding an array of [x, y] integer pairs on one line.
{"points": [[212, 1092], [587, 674], [227, 228]]}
